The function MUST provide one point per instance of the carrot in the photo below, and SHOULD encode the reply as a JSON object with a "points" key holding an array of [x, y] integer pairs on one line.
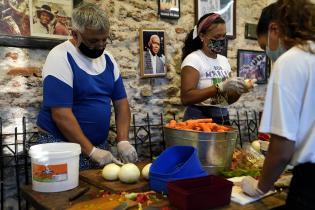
{"points": [[191, 124], [221, 127], [172, 124], [205, 127], [205, 120]]}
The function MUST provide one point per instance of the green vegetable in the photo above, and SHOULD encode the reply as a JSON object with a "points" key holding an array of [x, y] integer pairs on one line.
{"points": [[131, 196], [241, 172]]}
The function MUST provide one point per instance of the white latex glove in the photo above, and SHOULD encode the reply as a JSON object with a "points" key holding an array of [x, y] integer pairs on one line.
{"points": [[103, 157], [127, 152], [249, 187], [235, 84]]}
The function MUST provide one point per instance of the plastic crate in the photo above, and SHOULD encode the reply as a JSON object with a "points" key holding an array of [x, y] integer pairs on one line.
{"points": [[200, 193]]}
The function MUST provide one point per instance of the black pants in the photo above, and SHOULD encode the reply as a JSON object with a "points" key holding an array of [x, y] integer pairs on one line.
{"points": [[301, 194], [218, 115]]}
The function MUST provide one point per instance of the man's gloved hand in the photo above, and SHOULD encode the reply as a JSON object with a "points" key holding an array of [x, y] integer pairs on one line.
{"points": [[249, 187], [103, 157], [232, 85], [127, 152]]}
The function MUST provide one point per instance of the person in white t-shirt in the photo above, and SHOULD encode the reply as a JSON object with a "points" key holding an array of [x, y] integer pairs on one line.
{"points": [[206, 83], [286, 31]]}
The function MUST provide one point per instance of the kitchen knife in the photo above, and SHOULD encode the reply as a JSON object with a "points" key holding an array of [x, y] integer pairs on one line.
{"points": [[122, 206]]}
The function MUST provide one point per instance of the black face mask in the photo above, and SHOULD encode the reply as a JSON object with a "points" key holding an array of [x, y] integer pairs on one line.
{"points": [[216, 46], [91, 53]]}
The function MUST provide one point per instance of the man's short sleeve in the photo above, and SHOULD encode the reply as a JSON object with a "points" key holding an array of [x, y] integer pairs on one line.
{"points": [[119, 91], [57, 79]]}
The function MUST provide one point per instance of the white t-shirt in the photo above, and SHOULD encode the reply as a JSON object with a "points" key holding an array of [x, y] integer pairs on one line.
{"points": [[289, 109], [211, 71]]}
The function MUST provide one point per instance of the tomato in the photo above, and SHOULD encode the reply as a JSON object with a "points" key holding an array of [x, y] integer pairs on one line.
{"points": [[141, 198]]}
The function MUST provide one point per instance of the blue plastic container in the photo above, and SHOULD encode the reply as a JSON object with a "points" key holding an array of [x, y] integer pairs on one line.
{"points": [[176, 162]]}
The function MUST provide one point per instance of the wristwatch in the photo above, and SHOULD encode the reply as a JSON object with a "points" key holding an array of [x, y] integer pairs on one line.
{"points": [[218, 89]]}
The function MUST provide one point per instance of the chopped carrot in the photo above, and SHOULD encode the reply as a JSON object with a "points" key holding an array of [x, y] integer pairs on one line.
{"points": [[205, 120], [172, 124], [205, 125]]}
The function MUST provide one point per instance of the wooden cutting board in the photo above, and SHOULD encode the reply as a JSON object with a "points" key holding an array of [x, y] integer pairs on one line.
{"points": [[94, 177], [108, 203]]}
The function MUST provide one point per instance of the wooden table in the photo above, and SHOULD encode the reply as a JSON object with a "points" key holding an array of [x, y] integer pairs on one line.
{"points": [[59, 201]]}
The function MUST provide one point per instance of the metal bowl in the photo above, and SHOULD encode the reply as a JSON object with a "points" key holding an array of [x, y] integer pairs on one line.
{"points": [[215, 149]]}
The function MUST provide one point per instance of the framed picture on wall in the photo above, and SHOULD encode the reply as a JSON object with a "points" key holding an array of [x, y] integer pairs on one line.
{"points": [[152, 53], [19, 21], [250, 31], [226, 8], [169, 8], [50, 18], [252, 64]]}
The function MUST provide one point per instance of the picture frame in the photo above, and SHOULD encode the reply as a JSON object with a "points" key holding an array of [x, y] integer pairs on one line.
{"points": [[250, 31], [15, 23], [149, 48], [169, 8], [252, 64], [226, 8]]}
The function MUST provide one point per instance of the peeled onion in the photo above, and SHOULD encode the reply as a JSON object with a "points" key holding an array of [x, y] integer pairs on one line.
{"points": [[256, 145], [129, 173], [145, 171], [110, 171]]}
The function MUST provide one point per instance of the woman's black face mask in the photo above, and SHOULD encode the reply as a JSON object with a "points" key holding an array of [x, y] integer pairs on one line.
{"points": [[91, 53], [216, 45]]}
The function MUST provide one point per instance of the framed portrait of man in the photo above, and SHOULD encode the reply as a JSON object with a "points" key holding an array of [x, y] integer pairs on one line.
{"points": [[152, 53], [51, 19]]}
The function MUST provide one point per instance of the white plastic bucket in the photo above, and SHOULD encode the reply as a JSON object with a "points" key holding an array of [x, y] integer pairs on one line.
{"points": [[55, 166]]}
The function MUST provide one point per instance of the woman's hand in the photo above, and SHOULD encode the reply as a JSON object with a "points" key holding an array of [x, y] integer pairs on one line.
{"points": [[233, 85]]}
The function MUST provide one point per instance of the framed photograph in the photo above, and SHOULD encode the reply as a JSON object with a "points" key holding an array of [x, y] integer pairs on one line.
{"points": [[50, 18], [169, 8], [226, 8], [250, 31], [252, 64], [152, 53], [35, 23]]}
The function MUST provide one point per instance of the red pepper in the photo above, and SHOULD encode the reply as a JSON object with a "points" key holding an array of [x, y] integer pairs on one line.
{"points": [[141, 198], [264, 136], [166, 208]]}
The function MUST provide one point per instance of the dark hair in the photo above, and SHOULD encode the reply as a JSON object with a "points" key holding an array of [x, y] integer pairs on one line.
{"points": [[295, 18], [191, 44], [267, 15]]}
